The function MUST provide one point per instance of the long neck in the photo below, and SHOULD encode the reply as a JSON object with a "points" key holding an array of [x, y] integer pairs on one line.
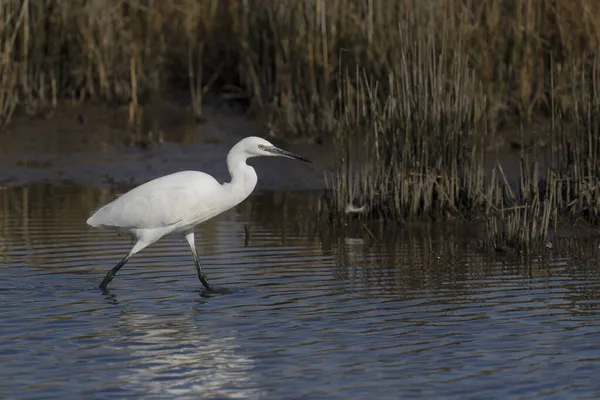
{"points": [[243, 176]]}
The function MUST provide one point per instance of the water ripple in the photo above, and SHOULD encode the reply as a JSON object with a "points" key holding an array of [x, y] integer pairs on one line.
{"points": [[306, 318]]}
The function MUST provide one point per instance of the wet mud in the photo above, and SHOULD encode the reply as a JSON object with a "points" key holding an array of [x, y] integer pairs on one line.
{"points": [[93, 145]]}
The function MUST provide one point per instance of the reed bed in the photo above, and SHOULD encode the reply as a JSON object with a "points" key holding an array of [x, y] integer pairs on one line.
{"points": [[413, 144], [287, 57], [408, 153], [413, 92]]}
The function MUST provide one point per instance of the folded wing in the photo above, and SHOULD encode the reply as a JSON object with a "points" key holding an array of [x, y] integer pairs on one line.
{"points": [[177, 199]]}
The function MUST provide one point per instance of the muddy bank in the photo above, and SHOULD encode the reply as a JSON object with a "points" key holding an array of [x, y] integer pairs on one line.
{"points": [[92, 145]]}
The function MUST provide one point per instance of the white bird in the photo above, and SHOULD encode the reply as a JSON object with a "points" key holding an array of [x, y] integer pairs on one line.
{"points": [[176, 203]]}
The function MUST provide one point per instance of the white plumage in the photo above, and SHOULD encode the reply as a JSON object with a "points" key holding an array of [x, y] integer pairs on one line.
{"points": [[176, 203], [187, 197]]}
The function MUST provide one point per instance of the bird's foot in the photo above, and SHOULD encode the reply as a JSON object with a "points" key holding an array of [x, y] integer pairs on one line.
{"points": [[215, 292]]}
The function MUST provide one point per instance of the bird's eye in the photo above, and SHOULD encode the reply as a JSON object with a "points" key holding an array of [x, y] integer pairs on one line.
{"points": [[261, 146]]}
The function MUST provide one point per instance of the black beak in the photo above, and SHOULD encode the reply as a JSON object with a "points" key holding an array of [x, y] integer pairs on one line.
{"points": [[279, 152]]}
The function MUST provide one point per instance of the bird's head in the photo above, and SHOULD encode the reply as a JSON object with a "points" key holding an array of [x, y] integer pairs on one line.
{"points": [[255, 147]]}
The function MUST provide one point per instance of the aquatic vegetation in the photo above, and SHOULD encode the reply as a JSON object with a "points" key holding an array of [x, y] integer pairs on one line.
{"points": [[288, 57], [398, 163], [413, 93]]}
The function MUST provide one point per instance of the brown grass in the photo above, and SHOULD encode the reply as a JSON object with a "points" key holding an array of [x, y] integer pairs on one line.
{"points": [[289, 56], [419, 87], [412, 144]]}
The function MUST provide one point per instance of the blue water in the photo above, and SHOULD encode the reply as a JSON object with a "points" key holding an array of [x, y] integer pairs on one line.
{"points": [[311, 315]]}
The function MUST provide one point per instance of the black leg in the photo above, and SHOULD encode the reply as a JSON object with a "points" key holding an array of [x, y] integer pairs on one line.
{"points": [[201, 274], [189, 236], [111, 274]]}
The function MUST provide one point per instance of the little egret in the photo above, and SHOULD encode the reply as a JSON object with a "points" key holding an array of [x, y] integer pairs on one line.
{"points": [[176, 203]]}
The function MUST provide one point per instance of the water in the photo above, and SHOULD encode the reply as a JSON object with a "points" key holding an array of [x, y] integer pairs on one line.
{"points": [[310, 315]]}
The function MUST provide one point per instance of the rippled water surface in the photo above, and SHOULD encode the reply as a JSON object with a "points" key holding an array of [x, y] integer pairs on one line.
{"points": [[311, 315]]}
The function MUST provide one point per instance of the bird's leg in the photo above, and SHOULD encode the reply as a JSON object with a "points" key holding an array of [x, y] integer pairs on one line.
{"points": [[201, 274], [190, 239], [138, 246], [111, 274]]}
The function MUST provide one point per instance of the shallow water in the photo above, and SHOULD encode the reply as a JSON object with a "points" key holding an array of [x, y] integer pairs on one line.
{"points": [[311, 314]]}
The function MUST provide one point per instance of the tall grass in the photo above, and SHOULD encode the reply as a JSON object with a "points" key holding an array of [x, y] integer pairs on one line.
{"points": [[420, 127], [287, 56], [412, 143], [418, 87]]}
